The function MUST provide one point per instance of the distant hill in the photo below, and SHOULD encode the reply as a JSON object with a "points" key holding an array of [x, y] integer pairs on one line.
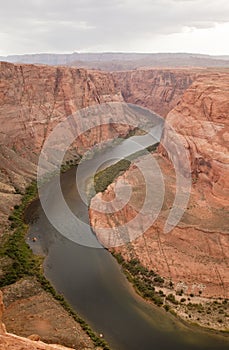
{"points": [[122, 61]]}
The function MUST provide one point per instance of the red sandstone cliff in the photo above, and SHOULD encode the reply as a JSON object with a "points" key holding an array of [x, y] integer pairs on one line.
{"points": [[156, 89], [196, 253], [201, 118], [33, 99]]}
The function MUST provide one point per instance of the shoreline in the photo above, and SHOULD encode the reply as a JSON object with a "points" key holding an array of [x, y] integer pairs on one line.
{"points": [[172, 310], [176, 317]]}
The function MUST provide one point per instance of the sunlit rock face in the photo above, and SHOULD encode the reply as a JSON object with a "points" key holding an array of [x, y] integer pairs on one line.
{"points": [[201, 119]]}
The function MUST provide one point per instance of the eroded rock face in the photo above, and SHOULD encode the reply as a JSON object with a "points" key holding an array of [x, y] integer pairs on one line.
{"points": [[36, 98], [195, 254], [202, 119], [156, 89], [33, 100]]}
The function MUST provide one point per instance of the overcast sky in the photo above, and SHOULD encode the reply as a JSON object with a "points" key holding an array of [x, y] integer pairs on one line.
{"points": [[31, 26]]}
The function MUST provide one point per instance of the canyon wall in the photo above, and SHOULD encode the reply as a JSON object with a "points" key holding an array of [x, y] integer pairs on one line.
{"points": [[156, 89], [34, 99], [201, 120], [195, 254]]}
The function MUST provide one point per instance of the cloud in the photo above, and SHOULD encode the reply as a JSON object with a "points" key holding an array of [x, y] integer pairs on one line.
{"points": [[60, 26]]}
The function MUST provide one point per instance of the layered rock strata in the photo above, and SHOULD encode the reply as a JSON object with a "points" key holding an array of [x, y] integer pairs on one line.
{"points": [[195, 253]]}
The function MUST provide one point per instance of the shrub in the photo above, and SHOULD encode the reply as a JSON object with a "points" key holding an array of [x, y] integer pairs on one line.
{"points": [[180, 292], [119, 258], [105, 177], [166, 307], [159, 279], [172, 299]]}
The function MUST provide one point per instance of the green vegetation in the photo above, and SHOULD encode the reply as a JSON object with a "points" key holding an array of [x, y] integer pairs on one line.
{"points": [[69, 164], [180, 292], [159, 280], [172, 299], [166, 307], [142, 279], [22, 260], [143, 152], [194, 180], [105, 177]]}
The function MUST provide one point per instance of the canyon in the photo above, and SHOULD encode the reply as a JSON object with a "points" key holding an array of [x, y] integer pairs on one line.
{"points": [[196, 251], [34, 99]]}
